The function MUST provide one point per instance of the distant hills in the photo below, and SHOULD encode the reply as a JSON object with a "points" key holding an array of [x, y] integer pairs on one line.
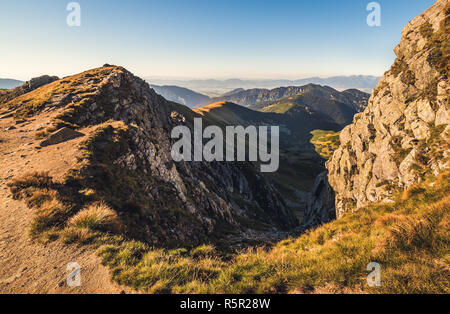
{"points": [[329, 104], [257, 99], [263, 97], [9, 83], [181, 95], [362, 82]]}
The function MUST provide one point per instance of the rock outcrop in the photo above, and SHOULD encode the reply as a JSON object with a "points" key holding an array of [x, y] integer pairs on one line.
{"points": [[403, 134], [320, 207], [27, 87]]}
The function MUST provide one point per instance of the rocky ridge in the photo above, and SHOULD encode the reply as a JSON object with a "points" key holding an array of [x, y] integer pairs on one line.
{"points": [[127, 163]]}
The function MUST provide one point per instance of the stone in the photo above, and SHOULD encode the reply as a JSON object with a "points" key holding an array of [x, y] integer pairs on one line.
{"points": [[425, 112], [320, 207], [60, 136], [40, 81]]}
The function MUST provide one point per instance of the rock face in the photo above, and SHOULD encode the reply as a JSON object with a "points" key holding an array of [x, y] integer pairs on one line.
{"points": [[320, 208], [127, 162], [403, 134]]}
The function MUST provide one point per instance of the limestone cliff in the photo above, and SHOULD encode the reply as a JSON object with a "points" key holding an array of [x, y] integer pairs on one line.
{"points": [[403, 134]]}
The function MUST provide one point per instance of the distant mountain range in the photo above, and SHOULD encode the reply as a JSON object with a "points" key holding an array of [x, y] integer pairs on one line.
{"points": [[258, 99], [362, 82], [181, 95], [330, 104], [9, 83]]}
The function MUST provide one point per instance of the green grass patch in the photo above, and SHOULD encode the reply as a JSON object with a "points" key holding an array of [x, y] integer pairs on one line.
{"points": [[325, 142]]}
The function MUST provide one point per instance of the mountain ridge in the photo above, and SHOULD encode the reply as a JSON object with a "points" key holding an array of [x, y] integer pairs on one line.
{"points": [[363, 82], [259, 98], [138, 148], [181, 95]]}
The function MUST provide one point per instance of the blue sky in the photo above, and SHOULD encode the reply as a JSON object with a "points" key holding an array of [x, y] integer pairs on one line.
{"points": [[202, 38]]}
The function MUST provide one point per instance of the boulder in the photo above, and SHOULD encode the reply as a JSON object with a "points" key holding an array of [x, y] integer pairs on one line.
{"points": [[61, 136]]}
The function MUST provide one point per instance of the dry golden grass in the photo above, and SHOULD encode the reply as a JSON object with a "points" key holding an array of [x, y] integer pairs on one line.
{"points": [[38, 197], [83, 85], [39, 180], [98, 217], [81, 235], [409, 239], [51, 214]]}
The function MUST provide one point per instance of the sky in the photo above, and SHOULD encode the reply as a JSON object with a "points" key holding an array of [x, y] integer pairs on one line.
{"points": [[269, 39]]}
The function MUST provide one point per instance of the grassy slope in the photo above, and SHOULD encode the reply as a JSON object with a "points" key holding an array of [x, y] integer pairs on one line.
{"points": [[30, 103], [409, 239], [325, 142], [279, 108]]}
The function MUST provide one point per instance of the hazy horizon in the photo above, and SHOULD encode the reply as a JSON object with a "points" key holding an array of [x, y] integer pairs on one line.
{"points": [[221, 79]]}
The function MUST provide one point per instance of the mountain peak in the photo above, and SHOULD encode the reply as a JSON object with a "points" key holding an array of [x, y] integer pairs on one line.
{"points": [[123, 155]]}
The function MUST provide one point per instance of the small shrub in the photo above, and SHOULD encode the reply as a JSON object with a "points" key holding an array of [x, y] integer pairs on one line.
{"points": [[411, 234], [411, 192], [49, 236], [132, 253], [77, 235], [51, 214], [408, 78], [39, 197], [42, 134], [33, 179], [398, 67], [99, 217], [203, 251], [426, 30]]}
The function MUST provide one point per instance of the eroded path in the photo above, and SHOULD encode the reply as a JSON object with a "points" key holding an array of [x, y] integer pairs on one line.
{"points": [[27, 266]]}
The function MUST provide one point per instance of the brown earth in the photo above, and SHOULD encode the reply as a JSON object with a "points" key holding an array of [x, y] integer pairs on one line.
{"points": [[27, 266]]}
